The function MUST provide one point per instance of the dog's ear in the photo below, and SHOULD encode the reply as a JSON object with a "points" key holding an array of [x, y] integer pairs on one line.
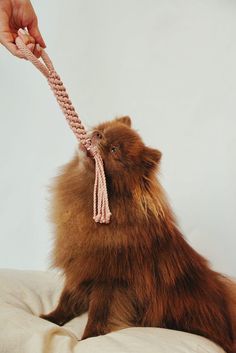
{"points": [[126, 120], [150, 158]]}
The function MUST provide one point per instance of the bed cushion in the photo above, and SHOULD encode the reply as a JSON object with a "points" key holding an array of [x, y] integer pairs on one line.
{"points": [[26, 294]]}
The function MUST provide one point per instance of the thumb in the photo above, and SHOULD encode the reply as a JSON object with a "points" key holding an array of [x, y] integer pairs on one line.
{"points": [[33, 30]]}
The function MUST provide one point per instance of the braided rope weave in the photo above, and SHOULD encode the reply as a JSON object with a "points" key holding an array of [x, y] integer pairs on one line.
{"points": [[101, 211]]}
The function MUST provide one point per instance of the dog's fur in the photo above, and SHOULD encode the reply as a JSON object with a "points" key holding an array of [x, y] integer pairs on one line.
{"points": [[138, 270]]}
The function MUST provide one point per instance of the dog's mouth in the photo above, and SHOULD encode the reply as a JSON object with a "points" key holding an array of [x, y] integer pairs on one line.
{"points": [[86, 152]]}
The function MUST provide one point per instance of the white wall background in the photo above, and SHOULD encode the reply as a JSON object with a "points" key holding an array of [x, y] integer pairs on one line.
{"points": [[171, 66]]}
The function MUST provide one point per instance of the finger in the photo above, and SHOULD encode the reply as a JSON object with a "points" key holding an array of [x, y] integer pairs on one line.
{"points": [[32, 40], [13, 49], [31, 47], [35, 32], [37, 51]]}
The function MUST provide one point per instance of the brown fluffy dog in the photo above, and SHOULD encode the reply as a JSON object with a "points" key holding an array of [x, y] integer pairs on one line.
{"points": [[138, 270]]}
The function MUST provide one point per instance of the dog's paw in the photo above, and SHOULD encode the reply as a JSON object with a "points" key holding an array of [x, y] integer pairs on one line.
{"points": [[54, 319]]}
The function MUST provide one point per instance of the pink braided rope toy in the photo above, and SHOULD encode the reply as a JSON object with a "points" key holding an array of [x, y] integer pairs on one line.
{"points": [[101, 211]]}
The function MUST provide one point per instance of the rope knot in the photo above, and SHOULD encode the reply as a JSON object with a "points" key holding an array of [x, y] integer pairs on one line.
{"points": [[52, 73]]}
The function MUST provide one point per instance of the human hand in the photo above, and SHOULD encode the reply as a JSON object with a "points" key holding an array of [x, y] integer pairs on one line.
{"points": [[15, 14]]}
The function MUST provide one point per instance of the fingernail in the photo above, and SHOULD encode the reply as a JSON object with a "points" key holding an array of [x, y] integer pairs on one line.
{"points": [[38, 47], [21, 31]]}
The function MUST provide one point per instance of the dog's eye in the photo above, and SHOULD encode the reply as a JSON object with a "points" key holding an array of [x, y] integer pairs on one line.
{"points": [[114, 149]]}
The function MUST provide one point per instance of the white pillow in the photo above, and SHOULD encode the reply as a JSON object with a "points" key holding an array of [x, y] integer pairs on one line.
{"points": [[26, 294]]}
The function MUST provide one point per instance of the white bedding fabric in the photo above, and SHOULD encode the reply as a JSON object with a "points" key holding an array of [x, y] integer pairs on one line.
{"points": [[26, 294]]}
